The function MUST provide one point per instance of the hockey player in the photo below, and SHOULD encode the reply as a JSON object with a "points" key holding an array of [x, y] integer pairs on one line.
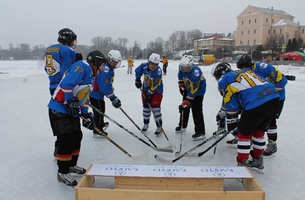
{"points": [[69, 102], [275, 76], [58, 59], [257, 98], [103, 86], [165, 65], [130, 64], [192, 86], [152, 90]]}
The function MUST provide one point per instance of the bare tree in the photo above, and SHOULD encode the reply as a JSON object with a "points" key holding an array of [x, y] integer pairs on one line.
{"points": [[273, 43], [191, 36], [182, 41], [172, 42], [156, 46], [122, 42]]}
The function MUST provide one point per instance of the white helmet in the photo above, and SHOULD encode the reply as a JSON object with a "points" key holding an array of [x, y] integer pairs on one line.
{"points": [[114, 55], [154, 58], [187, 61]]}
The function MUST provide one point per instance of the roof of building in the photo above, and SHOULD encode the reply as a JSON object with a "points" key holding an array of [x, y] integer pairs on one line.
{"points": [[271, 11], [284, 22]]}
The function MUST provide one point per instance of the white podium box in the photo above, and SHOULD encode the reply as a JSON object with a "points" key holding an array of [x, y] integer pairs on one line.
{"points": [[135, 182]]}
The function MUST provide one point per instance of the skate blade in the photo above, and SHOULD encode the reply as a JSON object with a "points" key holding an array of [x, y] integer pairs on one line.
{"points": [[261, 171], [199, 138]]}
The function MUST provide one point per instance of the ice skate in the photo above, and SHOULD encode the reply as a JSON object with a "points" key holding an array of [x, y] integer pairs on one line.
{"points": [[145, 128], [66, 179], [180, 130], [232, 143], [158, 131], [198, 136], [271, 149]]}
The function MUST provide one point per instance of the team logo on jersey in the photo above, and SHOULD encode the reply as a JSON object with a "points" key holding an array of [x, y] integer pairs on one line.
{"points": [[196, 72]]}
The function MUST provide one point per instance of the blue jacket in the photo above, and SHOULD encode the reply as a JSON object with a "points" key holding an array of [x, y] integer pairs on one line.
{"points": [[77, 82], [273, 75], [58, 58], [194, 82], [152, 82], [103, 84], [245, 90]]}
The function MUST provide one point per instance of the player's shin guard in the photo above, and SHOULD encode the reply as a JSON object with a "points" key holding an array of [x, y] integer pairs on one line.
{"points": [[258, 143], [243, 148]]}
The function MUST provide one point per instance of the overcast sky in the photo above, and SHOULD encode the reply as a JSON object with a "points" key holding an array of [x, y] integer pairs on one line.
{"points": [[37, 21]]}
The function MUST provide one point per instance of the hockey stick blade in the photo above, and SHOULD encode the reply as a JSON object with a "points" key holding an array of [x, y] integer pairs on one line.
{"points": [[159, 158], [214, 144], [169, 150], [185, 153]]}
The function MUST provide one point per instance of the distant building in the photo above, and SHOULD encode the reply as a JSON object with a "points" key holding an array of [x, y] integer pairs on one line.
{"points": [[255, 25], [211, 43]]}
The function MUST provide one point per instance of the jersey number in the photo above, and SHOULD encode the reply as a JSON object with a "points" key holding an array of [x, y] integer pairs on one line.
{"points": [[49, 65]]}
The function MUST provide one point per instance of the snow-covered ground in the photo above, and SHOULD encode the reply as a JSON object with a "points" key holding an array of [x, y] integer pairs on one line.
{"points": [[29, 172]]}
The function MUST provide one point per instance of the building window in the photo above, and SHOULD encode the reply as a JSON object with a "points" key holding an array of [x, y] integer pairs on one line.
{"points": [[249, 21], [242, 23], [242, 33], [302, 31], [248, 32], [280, 30], [241, 42], [254, 42], [269, 31], [249, 42], [255, 21], [272, 21], [274, 31], [266, 20], [254, 31]]}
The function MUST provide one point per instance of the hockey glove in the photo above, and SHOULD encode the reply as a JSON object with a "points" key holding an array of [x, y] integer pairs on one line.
{"points": [[88, 122], [221, 118], [138, 83], [182, 89], [72, 106], [148, 98], [116, 102], [78, 56], [185, 105], [232, 122]]}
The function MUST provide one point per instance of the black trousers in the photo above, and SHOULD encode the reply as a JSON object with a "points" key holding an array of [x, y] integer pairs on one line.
{"points": [[258, 118], [197, 112], [69, 137], [99, 118]]}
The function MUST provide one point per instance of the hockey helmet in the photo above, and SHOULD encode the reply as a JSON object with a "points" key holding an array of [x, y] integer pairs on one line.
{"points": [[244, 61], [96, 58], [66, 36], [154, 58], [220, 69]]}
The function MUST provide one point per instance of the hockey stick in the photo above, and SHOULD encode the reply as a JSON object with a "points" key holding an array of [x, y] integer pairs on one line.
{"points": [[177, 153], [159, 158], [138, 128], [155, 148], [210, 147], [110, 140]]}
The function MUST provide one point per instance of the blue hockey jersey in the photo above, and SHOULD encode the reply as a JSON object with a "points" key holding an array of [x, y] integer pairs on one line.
{"points": [[152, 82], [58, 59], [77, 82], [103, 84], [194, 82], [273, 75], [245, 90]]}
